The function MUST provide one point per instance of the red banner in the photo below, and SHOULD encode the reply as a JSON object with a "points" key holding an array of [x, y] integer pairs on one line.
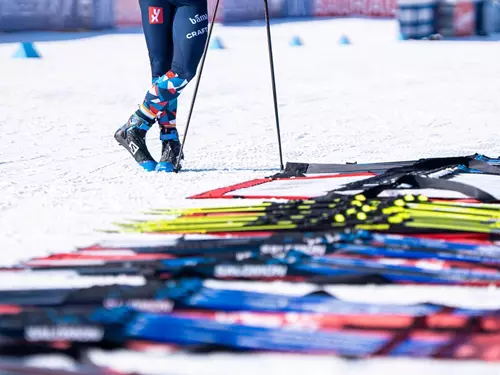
{"points": [[465, 19], [127, 13], [337, 8], [220, 11]]}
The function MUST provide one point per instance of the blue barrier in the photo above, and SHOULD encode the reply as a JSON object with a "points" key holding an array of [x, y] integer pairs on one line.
{"points": [[496, 16], [103, 14], [244, 10], [297, 8], [417, 18]]}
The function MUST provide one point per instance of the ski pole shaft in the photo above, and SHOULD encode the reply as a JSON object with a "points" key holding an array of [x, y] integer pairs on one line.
{"points": [[273, 81], [197, 85]]}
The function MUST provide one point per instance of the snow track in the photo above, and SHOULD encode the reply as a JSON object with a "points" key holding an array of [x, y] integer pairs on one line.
{"points": [[63, 176]]}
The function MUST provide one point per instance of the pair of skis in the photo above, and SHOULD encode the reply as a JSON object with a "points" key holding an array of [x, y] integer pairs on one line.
{"points": [[187, 316], [337, 257], [410, 214]]}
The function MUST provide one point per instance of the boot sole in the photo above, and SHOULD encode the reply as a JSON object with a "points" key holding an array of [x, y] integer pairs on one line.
{"points": [[166, 166]]}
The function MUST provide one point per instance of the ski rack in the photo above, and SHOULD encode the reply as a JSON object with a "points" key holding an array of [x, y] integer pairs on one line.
{"points": [[154, 294]]}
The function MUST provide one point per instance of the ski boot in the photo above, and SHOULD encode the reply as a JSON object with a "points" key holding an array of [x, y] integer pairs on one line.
{"points": [[132, 136], [170, 150]]}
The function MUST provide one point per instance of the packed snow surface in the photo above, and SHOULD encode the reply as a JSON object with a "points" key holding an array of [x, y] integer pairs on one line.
{"points": [[63, 176]]}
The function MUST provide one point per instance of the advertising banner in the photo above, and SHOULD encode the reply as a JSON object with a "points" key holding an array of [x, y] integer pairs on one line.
{"points": [[220, 12], [127, 13], [103, 14], [25, 15], [242, 10], [342, 8], [464, 20], [297, 8]]}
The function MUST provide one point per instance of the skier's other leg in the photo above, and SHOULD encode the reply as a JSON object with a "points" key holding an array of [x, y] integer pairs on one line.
{"points": [[168, 118], [169, 136], [157, 21], [190, 28]]}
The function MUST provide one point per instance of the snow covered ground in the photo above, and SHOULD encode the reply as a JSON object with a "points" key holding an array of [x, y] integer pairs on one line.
{"points": [[62, 176]]}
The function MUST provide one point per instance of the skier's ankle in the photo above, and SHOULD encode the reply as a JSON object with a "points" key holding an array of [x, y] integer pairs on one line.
{"points": [[169, 133], [145, 122]]}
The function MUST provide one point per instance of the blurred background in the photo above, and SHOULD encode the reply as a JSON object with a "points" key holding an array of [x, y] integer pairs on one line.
{"points": [[417, 18]]}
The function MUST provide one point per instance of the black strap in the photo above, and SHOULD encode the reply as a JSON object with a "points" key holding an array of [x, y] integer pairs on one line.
{"points": [[484, 167], [292, 170], [418, 182], [387, 169]]}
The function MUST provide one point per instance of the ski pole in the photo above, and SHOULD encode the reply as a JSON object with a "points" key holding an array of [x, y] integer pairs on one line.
{"points": [[273, 82], [197, 85]]}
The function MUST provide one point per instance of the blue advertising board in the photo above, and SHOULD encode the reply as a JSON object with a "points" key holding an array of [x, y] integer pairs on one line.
{"points": [[297, 8]]}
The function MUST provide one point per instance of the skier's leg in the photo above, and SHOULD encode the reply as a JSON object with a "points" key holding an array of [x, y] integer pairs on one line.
{"points": [[157, 20], [190, 30], [161, 52], [168, 118], [190, 27]]}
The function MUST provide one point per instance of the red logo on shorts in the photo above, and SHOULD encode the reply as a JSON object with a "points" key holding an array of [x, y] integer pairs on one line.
{"points": [[155, 15]]}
